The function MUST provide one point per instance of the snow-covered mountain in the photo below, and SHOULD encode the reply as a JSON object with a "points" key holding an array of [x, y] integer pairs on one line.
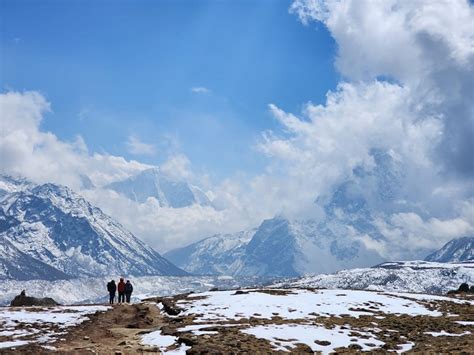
{"points": [[48, 231], [324, 244], [461, 249], [405, 276], [152, 183], [278, 247], [220, 254]]}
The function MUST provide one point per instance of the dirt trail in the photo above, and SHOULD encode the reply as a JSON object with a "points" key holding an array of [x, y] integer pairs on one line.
{"points": [[116, 331]]}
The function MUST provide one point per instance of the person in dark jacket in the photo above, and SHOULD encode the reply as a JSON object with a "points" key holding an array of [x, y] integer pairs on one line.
{"points": [[112, 288], [121, 291], [128, 291]]}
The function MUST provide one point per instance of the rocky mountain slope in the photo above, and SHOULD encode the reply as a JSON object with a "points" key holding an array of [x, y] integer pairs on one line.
{"points": [[461, 249], [403, 276], [152, 183], [278, 247], [220, 254], [48, 231], [345, 234]]}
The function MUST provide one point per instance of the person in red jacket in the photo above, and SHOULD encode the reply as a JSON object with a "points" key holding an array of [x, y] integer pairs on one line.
{"points": [[121, 291]]}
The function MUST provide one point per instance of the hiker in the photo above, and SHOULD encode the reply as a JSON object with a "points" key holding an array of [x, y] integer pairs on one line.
{"points": [[111, 287], [121, 291], [128, 291]]}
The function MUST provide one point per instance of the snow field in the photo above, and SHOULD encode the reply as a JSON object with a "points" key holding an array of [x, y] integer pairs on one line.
{"points": [[289, 335], [214, 309], [35, 324], [298, 304]]}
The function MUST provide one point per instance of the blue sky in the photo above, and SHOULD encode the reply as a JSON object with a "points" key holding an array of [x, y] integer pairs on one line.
{"points": [[112, 69]]}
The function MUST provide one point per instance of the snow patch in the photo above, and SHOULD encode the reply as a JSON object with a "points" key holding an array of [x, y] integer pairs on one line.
{"points": [[446, 334], [163, 342], [297, 304], [286, 336]]}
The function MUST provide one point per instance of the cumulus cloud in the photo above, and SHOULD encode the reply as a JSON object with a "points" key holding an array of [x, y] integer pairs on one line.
{"points": [[177, 167], [425, 45], [137, 147]]}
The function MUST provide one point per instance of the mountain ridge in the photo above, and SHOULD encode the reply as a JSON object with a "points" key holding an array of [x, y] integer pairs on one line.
{"points": [[55, 226], [152, 183], [278, 247], [459, 249]]}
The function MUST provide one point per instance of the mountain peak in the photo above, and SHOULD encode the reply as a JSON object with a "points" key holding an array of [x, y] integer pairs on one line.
{"points": [[152, 183], [58, 229], [456, 250]]}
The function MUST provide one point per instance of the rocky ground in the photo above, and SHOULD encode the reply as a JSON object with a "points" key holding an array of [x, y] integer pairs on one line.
{"points": [[267, 321]]}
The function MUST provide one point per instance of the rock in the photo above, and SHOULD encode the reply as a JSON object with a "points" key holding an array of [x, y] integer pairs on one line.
{"points": [[464, 287], [86, 338], [214, 289], [187, 340], [322, 342], [239, 292], [23, 300], [169, 308], [355, 347]]}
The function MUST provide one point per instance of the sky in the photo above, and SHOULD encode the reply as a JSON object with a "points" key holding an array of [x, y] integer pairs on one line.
{"points": [[271, 107], [194, 77]]}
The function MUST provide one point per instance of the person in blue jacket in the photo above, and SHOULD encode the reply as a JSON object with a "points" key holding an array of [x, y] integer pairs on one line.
{"points": [[128, 291]]}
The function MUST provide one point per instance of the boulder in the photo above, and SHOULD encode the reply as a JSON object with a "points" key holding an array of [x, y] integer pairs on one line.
{"points": [[23, 300]]}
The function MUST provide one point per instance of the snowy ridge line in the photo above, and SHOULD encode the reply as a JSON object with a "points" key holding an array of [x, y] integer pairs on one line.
{"points": [[50, 232], [410, 276]]}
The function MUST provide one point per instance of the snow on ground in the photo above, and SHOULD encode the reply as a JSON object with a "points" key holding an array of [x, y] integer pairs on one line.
{"points": [[428, 298], [288, 317], [405, 347], [163, 342], [297, 304], [446, 334], [403, 276], [12, 344], [318, 338], [40, 325]]}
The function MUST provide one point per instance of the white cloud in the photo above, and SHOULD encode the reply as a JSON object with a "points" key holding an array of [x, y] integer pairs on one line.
{"points": [[425, 45], [137, 147], [200, 90], [409, 235], [177, 167]]}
